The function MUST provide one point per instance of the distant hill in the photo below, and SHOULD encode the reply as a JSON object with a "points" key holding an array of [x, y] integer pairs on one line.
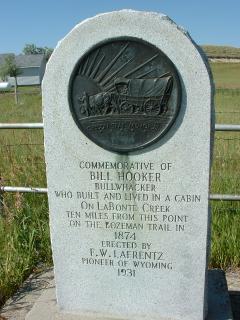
{"points": [[221, 52]]}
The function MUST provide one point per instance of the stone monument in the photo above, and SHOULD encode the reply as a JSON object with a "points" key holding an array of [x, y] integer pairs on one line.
{"points": [[128, 121]]}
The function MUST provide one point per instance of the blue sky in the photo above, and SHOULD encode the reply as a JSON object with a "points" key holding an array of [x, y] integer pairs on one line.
{"points": [[44, 22]]}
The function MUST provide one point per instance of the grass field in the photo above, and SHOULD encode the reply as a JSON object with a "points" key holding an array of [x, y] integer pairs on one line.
{"points": [[226, 168], [221, 51], [24, 232]]}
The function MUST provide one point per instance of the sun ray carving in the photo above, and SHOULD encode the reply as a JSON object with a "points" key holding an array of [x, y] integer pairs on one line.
{"points": [[141, 65], [93, 63], [89, 71], [103, 83], [134, 70], [105, 71], [144, 74], [84, 68], [165, 75], [97, 67]]}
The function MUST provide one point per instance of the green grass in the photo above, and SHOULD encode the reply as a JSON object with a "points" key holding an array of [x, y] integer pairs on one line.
{"points": [[24, 231], [226, 168], [221, 51], [24, 240], [226, 214], [226, 76], [28, 110], [225, 250]]}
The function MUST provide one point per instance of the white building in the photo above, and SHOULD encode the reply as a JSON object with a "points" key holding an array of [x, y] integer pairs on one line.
{"points": [[32, 68]]}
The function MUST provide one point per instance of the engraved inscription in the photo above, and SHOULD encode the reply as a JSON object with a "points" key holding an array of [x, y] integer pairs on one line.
{"points": [[127, 206]]}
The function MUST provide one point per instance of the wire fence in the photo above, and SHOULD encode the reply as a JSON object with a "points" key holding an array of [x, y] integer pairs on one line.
{"points": [[222, 157], [227, 91]]}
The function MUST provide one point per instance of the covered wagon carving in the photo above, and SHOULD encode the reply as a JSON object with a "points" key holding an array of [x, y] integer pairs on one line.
{"points": [[129, 96]]}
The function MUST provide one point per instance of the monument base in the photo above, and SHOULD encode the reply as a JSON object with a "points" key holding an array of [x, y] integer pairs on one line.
{"points": [[219, 307]]}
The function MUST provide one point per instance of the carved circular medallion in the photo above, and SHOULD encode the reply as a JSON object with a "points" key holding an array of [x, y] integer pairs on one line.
{"points": [[124, 94]]}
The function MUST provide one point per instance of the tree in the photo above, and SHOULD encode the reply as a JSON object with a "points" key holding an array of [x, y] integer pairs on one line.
{"points": [[10, 69], [48, 52], [31, 48]]}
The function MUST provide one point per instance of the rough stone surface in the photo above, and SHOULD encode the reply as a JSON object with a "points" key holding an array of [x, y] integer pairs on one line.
{"points": [[170, 284], [22, 302], [233, 279], [218, 301], [17, 307]]}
